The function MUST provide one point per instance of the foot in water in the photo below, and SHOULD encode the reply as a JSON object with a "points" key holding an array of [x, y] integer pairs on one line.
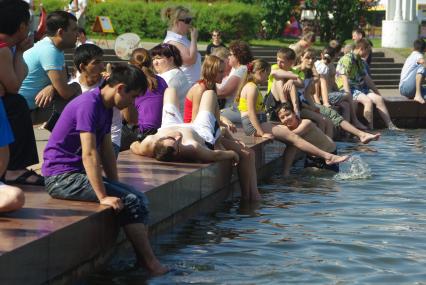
{"points": [[333, 159], [365, 138]]}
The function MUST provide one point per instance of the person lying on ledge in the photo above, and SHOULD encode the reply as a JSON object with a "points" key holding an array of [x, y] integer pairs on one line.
{"points": [[80, 148], [176, 141]]}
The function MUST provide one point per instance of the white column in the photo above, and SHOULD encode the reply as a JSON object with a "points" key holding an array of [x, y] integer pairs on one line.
{"points": [[390, 10], [398, 11], [413, 6]]}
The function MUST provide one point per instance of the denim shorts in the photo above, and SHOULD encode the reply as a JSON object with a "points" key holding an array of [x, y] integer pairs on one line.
{"points": [[76, 186], [248, 128], [335, 97], [359, 91]]}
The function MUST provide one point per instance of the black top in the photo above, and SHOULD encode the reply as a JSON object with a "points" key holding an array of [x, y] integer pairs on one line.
{"points": [[212, 46]]}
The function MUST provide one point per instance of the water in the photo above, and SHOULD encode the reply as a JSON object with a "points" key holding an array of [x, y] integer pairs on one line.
{"points": [[366, 225]]}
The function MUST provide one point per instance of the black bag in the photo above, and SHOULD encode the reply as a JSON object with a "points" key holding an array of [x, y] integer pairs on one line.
{"points": [[270, 105]]}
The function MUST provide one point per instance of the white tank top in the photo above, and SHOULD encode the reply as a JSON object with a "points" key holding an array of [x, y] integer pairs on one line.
{"points": [[192, 72]]}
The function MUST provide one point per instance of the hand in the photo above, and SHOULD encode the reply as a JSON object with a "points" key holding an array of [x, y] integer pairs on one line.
{"points": [[288, 85], [45, 96], [268, 136], [114, 202], [194, 34], [25, 44]]}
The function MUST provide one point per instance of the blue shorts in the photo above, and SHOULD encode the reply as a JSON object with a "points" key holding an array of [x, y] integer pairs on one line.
{"points": [[356, 91], [6, 134]]}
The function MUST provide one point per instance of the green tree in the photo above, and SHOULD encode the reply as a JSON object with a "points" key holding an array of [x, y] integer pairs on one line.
{"points": [[337, 18]]}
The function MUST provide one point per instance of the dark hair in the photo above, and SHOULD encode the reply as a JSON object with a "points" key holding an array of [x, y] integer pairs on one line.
{"points": [[359, 31], [162, 152], [328, 53], [81, 31], [85, 53], [419, 45], [287, 53], [131, 76], [286, 106], [242, 51], [58, 20], [12, 14], [168, 50], [140, 58]]}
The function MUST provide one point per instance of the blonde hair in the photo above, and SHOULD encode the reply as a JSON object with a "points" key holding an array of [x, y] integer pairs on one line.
{"points": [[141, 59], [173, 14], [210, 69], [221, 52], [253, 67]]}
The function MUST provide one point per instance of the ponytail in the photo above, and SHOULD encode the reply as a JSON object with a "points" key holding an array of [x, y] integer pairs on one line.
{"points": [[142, 60], [252, 68]]}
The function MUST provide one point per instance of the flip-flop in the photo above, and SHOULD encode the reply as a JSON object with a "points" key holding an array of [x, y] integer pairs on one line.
{"points": [[22, 179]]}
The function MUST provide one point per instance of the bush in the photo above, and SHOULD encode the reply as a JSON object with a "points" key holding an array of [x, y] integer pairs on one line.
{"points": [[235, 20]]}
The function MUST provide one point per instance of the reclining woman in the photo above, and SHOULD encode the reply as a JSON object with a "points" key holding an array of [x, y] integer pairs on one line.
{"points": [[147, 115], [253, 117], [197, 141]]}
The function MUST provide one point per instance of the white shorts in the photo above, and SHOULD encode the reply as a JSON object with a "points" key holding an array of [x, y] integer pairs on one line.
{"points": [[205, 124]]}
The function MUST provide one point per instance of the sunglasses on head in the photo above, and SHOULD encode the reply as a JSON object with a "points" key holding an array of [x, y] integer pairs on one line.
{"points": [[187, 20]]}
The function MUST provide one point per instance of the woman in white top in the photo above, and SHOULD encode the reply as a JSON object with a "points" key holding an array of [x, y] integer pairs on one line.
{"points": [[239, 56], [166, 60], [180, 20]]}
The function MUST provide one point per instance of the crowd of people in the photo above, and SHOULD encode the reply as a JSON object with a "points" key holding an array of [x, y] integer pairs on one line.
{"points": [[169, 105]]}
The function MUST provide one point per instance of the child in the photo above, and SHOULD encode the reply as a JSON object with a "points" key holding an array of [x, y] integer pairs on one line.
{"points": [[281, 83], [413, 73]]}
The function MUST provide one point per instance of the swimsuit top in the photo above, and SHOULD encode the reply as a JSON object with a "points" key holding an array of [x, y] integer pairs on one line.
{"points": [[243, 107], [187, 113]]}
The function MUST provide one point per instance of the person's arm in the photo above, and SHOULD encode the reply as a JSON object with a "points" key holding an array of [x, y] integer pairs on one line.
{"points": [[58, 78], [92, 166], [108, 159], [189, 56], [324, 91], [346, 86], [281, 74], [230, 88], [302, 128], [370, 84], [13, 70], [207, 155]]}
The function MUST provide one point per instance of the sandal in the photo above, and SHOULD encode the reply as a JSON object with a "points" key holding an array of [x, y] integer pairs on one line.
{"points": [[23, 179]]}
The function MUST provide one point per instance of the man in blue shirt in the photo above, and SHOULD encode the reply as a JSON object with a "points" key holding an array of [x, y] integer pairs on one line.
{"points": [[45, 88]]}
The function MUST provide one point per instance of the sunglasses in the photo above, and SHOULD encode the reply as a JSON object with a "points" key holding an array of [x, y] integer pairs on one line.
{"points": [[187, 20]]}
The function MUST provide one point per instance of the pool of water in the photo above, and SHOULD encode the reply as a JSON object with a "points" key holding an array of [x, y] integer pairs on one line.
{"points": [[365, 226]]}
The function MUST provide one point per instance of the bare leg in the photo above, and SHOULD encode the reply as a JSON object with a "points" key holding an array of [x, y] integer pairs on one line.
{"points": [[368, 108], [246, 169], [346, 111], [283, 134], [323, 123], [288, 158], [138, 236], [363, 136], [418, 97], [381, 107], [354, 119]]}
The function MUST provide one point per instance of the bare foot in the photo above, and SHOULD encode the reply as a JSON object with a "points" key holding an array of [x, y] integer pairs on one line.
{"points": [[419, 99], [255, 196], [155, 268], [336, 159], [365, 138]]}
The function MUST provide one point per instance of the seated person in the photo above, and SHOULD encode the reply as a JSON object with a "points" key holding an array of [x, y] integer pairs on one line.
{"points": [[14, 41], [254, 121], [311, 133], [11, 198], [82, 38], [352, 78], [45, 88], [413, 73], [80, 148]]}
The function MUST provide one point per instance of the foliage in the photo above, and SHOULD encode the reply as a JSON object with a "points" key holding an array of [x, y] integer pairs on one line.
{"points": [[346, 15], [235, 20]]}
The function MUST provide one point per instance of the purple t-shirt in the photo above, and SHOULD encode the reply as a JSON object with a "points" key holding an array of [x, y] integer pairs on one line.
{"points": [[86, 113], [150, 106]]}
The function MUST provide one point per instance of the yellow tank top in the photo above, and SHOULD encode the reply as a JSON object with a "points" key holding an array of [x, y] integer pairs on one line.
{"points": [[242, 105]]}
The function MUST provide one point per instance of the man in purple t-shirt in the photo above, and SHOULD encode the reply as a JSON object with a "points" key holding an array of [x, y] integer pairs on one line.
{"points": [[79, 149]]}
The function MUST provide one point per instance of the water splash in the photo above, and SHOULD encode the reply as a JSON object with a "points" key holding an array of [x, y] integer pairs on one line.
{"points": [[356, 168]]}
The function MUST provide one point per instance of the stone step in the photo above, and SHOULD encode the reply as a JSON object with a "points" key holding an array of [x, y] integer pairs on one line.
{"points": [[388, 70], [385, 76], [386, 65]]}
